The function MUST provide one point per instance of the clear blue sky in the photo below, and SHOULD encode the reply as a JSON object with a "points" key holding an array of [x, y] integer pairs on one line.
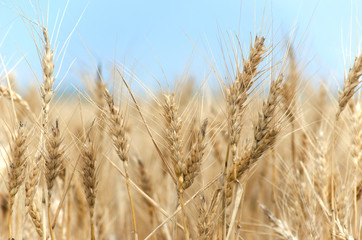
{"points": [[145, 35]]}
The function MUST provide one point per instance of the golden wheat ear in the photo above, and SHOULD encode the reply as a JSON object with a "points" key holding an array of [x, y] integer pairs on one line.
{"points": [[17, 165], [237, 93], [265, 134], [54, 157], [117, 125], [194, 160], [90, 179], [349, 85]]}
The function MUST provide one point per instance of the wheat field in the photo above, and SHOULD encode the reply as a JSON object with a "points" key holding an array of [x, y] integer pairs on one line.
{"points": [[266, 155]]}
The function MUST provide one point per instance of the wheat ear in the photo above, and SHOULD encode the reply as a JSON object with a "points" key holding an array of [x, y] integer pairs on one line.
{"points": [[6, 92], [173, 128], [90, 179], [30, 190], [118, 132], [194, 159], [16, 169], [349, 85], [146, 186], [53, 162], [280, 227], [237, 93], [264, 137], [46, 90]]}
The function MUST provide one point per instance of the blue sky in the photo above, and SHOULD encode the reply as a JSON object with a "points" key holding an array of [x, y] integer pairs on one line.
{"points": [[148, 36]]}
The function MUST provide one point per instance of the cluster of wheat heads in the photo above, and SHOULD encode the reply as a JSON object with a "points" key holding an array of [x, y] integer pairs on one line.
{"points": [[264, 159]]}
